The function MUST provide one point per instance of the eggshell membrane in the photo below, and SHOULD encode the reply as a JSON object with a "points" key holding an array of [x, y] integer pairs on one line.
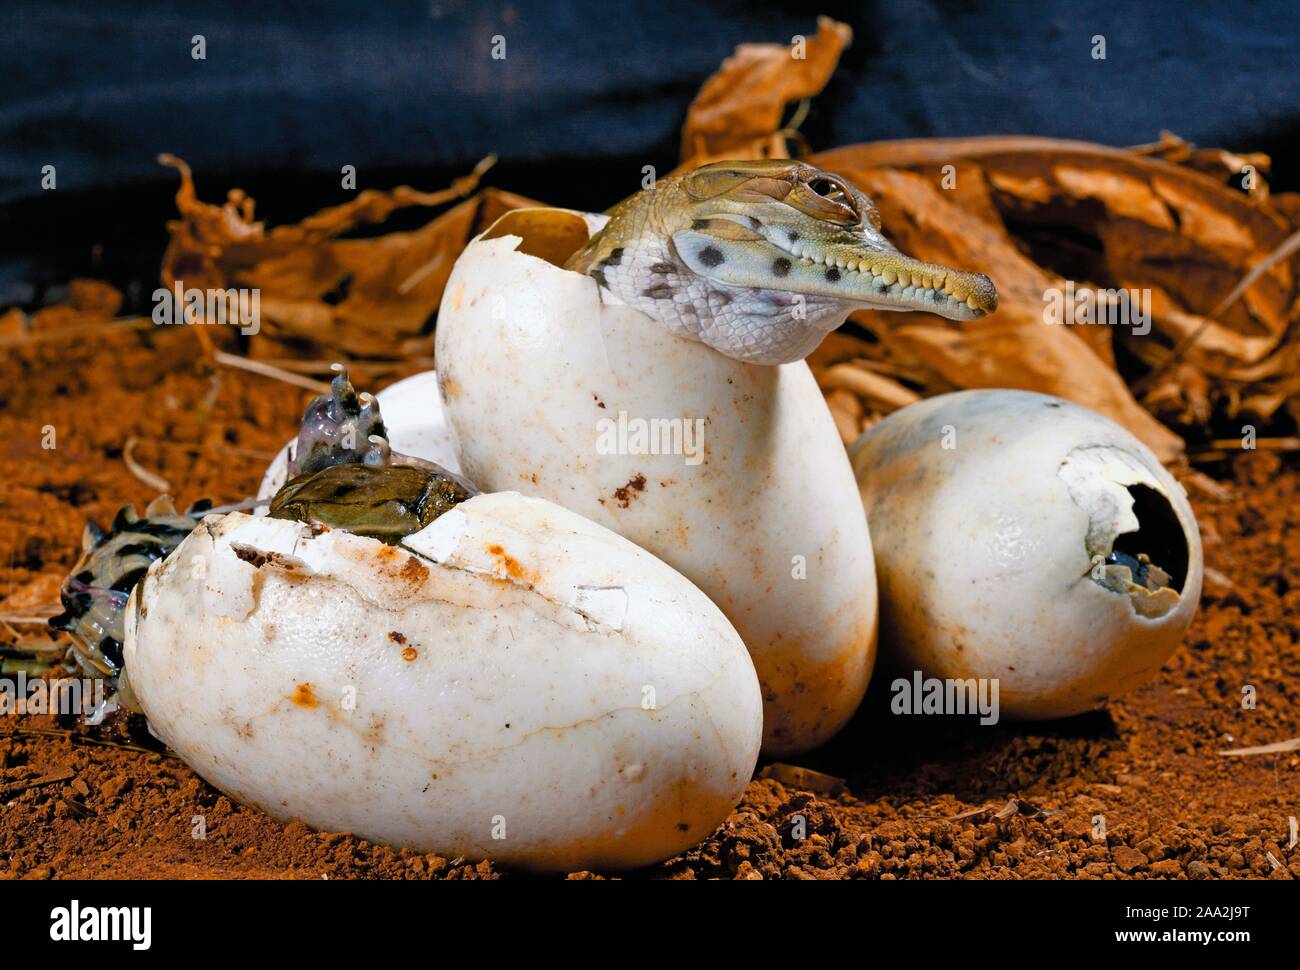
{"points": [[414, 425], [982, 555], [491, 675], [530, 358]]}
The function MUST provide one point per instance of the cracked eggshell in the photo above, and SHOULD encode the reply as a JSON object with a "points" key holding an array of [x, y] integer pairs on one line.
{"points": [[987, 509], [511, 669], [545, 386], [416, 425]]}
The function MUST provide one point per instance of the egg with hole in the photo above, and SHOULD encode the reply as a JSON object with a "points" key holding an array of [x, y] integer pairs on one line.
{"points": [[508, 681], [731, 472], [1027, 541]]}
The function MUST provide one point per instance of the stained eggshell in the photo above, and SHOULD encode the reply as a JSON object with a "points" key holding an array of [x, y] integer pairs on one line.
{"points": [[414, 428], [511, 683], [993, 512], [553, 390]]}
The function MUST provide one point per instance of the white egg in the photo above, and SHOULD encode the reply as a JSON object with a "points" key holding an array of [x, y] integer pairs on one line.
{"points": [[731, 472], [993, 514], [415, 427], [512, 682]]}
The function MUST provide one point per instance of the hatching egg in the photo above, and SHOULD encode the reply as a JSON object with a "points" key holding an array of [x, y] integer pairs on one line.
{"points": [[1023, 538], [730, 471], [510, 682]]}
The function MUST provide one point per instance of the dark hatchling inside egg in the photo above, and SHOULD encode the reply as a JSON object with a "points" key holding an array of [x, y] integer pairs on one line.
{"points": [[386, 502], [95, 593], [345, 476]]}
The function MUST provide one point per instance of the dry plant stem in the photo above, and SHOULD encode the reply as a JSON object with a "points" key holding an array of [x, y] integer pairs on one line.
{"points": [[152, 479], [10, 790], [84, 739], [256, 454], [411, 281], [125, 325], [42, 616], [205, 342], [1288, 248], [1222, 449], [1263, 444], [370, 368], [1277, 747], [267, 370]]}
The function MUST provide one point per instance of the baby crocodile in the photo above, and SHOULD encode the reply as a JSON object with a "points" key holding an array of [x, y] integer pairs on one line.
{"points": [[385, 502], [760, 259]]}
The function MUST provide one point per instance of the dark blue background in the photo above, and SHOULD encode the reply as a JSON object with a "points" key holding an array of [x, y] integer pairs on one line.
{"points": [[589, 92]]}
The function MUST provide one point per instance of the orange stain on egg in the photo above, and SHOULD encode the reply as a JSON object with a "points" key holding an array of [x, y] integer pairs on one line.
{"points": [[304, 695], [509, 564]]}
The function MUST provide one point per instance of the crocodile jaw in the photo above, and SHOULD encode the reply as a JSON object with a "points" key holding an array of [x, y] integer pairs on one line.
{"points": [[869, 274]]}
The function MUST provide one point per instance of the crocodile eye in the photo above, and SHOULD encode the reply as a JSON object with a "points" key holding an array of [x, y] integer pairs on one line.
{"points": [[828, 188], [838, 200]]}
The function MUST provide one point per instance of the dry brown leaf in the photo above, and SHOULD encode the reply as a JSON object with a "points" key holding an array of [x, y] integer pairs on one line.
{"points": [[878, 392], [1184, 236], [1012, 348], [94, 298], [838, 346], [738, 111], [13, 326], [39, 595], [793, 776], [1229, 168], [1182, 396], [371, 297], [846, 412]]}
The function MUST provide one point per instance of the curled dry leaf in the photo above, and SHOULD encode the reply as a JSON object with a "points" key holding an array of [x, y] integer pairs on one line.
{"points": [[1034, 213], [738, 111], [1015, 805], [1011, 348], [793, 776], [846, 412], [881, 393], [1244, 171], [37, 599], [370, 297]]}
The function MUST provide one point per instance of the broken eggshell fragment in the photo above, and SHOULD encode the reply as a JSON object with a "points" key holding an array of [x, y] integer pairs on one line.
{"points": [[511, 682], [1025, 538]]}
